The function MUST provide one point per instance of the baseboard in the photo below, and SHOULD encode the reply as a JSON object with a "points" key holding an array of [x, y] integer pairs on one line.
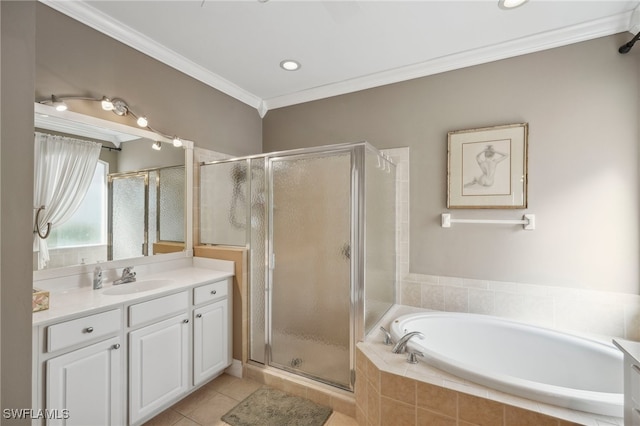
{"points": [[235, 369]]}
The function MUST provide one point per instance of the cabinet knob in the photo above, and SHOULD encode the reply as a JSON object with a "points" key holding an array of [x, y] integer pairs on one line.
{"points": [[213, 292], [185, 321], [199, 316], [88, 330], [116, 346]]}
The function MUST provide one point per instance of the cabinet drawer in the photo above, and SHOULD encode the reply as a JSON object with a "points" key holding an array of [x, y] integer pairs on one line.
{"points": [[158, 308], [209, 292], [83, 329]]}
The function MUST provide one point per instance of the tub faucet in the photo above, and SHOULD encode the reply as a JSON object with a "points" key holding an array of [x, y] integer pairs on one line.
{"points": [[402, 342], [128, 276]]}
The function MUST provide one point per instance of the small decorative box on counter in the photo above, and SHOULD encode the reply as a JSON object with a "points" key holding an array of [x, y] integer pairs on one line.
{"points": [[40, 300]]}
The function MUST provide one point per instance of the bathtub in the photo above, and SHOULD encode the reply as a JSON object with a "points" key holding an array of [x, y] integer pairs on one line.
{"points": [[532, 362]]}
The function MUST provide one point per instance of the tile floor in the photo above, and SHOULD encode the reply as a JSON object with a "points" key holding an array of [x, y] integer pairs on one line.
{"points": [[205, 406]]}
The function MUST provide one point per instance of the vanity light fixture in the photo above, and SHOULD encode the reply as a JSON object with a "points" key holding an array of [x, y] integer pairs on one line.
{"points": [[58, 104], [157, 145], [290, 65], [510, 4], [142, 122], [107, 105], [118, 107]]}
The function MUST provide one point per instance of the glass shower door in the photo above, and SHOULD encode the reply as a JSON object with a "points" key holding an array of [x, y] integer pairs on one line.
{"points": [[310, 265], [128, 221]]}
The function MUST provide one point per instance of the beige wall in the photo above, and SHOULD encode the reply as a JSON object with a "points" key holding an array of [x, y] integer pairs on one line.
{"points": [[46, 52], [17, 52], [73, 59], [581, 103]]}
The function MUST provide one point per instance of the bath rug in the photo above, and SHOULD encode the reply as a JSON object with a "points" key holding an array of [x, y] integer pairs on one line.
{"points": [[271, 407]]}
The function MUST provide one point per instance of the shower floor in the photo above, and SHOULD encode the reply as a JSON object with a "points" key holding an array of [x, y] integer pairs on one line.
{"points": [[326, 362]]}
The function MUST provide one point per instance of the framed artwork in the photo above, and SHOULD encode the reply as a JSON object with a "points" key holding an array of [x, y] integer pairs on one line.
{"points": [[487, 168]]}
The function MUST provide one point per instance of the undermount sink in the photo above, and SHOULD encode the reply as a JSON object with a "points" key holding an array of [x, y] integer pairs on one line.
{"points": [[136, 287]]}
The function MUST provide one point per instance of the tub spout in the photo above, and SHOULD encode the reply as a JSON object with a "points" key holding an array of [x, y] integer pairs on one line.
{"points": [[402, 342]]}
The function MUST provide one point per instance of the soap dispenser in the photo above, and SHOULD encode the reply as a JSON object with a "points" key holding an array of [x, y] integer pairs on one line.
{"points": [[97, 278]]}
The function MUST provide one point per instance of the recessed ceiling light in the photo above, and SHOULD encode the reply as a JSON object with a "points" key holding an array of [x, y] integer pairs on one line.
{"points": [[290, 65], [510, 4]]}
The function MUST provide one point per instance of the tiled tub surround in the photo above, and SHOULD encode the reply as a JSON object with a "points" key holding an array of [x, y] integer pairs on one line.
{"points": [[562, 308], [391, 391]]}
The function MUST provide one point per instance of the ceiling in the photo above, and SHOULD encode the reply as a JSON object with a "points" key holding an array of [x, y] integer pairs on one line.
{"points": [[343, 46]]}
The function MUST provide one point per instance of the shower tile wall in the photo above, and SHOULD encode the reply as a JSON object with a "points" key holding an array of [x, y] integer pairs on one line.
{"points": [[572, 309]]}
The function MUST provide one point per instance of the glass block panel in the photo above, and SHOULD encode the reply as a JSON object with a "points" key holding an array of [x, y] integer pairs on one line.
{"points": [[128, 217], [310, 287], [223, 203], [380, 238], [171, 202]]}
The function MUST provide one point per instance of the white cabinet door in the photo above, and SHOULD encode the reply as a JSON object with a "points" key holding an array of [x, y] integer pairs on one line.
{"points": [[211, 348], [158, 365], [84, 387]]}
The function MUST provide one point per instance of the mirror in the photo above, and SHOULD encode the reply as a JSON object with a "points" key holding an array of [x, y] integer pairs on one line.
{"points": [[136, 203]]}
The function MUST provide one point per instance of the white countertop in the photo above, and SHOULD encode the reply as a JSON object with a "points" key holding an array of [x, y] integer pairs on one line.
{"points": [[67, 303], [628, 347]]}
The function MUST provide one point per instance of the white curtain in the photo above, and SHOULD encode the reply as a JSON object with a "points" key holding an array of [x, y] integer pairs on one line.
{"points": [[64, 168]]}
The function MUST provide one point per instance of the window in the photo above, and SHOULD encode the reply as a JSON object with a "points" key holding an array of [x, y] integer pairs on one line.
{"points": [[88, 225]]}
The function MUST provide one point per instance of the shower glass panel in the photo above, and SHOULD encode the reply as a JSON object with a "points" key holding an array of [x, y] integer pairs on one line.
{"points": [[380, 237], [152, 214], [257, 256], [311, 265], [128, 220], [171, 204], [223, 203]]}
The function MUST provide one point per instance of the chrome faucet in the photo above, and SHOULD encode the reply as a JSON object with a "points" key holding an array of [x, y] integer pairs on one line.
{"points": [[402, 342], [128, 276]]}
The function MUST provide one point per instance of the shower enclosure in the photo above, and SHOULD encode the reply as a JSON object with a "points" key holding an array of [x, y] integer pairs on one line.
{"points": [[320, 227], [145, 207]]}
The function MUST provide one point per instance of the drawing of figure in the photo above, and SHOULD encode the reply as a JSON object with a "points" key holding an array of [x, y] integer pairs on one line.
{"points": [[487, 159]]}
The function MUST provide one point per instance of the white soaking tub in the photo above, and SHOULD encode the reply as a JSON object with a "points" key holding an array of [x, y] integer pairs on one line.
{"points": [[520, 359]]}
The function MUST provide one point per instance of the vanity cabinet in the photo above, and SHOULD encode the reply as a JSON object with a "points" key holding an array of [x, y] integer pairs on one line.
{"points": [[84, 386], [631, 351], [210, 336], [158, 365], [82, 368], [128, 364]]}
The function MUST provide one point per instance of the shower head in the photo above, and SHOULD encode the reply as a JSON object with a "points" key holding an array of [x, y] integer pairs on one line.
{"points": [[625, 48]]}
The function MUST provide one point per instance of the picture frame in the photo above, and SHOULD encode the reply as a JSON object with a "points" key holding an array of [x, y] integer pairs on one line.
{"points": [[487, 167]]}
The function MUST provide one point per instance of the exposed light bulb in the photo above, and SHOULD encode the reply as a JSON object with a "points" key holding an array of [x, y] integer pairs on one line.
{"points": [[107, 105], [58, 104], [157, 145], [177, 142], [142, 121]]}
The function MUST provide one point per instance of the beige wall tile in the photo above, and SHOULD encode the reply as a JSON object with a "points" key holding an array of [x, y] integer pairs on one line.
{"points": [[515, 416], [480, 411], [429, 418], [396, 413], [373, 405], [398, 388], [437, 399]]}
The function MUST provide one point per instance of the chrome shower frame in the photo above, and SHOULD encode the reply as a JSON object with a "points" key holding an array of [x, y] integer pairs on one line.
{"points": [[357, 236]]}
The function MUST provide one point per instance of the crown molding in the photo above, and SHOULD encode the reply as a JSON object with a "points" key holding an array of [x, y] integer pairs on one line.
{"points": [[86, 14], [82, 12], [543, 41]]}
